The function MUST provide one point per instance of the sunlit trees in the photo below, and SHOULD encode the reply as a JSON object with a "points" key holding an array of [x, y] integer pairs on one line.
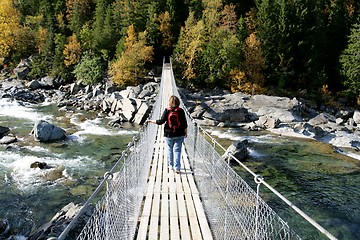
{"points": [[189, 48], [129, 66], [10, 28], [72, 51], [165, 30]]}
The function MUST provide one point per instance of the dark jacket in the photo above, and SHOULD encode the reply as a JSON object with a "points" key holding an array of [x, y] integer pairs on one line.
{"points": [[168, 132]]}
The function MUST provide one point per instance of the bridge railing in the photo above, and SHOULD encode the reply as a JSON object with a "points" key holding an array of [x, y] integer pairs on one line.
{"points": [[233, 208], [115, 215]]}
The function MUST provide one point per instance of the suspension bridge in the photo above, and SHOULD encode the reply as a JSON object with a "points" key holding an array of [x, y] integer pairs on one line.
{"points": [[144, 199]]}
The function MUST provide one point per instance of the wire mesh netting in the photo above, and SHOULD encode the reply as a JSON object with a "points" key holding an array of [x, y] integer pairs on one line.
{"points": [[233, 209]]}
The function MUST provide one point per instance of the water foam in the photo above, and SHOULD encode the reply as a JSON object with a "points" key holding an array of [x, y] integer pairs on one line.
{"points": [[25, 178], [14, 109], [93, 127]]}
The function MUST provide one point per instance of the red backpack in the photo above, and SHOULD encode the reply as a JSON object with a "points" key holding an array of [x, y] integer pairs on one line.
{"points": [[173, 118]]}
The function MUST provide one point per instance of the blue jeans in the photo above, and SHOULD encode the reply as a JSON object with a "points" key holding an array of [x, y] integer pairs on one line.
{"points": [[174, 145]]}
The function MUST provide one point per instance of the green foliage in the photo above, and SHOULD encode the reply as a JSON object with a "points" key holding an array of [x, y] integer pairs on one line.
{"points": [[90, 69], [350, 59], [291, 44]]}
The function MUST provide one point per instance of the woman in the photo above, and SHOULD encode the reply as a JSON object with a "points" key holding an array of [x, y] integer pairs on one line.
{"points": [[175, 130]]}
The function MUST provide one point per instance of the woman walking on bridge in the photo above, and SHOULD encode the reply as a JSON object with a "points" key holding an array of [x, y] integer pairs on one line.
{"points": [[175, 130]]}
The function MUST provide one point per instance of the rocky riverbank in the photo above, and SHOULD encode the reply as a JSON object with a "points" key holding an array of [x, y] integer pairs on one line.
{"points": [[280, 115]]}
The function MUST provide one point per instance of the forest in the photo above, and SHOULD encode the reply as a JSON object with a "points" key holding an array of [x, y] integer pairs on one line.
{"points": [[301, 48]]}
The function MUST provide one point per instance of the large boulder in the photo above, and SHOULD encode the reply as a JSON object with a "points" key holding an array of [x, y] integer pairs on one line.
{"points": [[4, 131], [142, 113], [44, 131], [59, 222], [238, 149], [356, 117], [22, 69]]}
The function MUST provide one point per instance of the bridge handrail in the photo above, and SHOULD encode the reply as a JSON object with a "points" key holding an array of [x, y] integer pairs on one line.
{"points": [[242, 213], [258, 179]]}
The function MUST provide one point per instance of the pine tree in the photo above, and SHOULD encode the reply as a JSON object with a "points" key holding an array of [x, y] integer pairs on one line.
{"points": [[350, 60], [78, 12]]}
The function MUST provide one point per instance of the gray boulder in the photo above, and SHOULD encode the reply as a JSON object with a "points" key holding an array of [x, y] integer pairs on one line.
{"points": [[4, 131], [238, 149], [142, 113], [356, 117], [45, 132], [59, 222], [8, 139], [22, 69], [322, 118]]}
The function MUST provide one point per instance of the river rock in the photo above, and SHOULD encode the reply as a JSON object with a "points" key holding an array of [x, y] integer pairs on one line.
{"points": [[44, 131], [356, 117], [238, 149], [60, 221], [322, 118], [48, 82], [22, 69], [4, 227], [4, 131], [40, 165], [33, 85], [142, 113], [8, 140]]}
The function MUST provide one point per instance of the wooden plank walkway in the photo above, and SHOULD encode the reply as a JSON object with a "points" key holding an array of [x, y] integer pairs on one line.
{"points": [[172, 208]]}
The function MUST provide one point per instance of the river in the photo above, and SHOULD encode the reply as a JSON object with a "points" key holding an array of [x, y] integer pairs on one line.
{"points": [[30, 197], [314, 176], [319, 180]]}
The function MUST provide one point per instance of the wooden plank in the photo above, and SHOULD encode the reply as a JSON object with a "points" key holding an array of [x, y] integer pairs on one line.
{"points": [[144, 219], [164, 217], [174, 224], [204, 224], [172, 207]]}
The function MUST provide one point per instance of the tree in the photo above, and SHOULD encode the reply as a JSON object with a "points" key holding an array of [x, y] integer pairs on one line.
{"points": [[189, 49], [90, 69], [72, 51], [10, 28], [350, 59], [78, 12], [129, 66], [165, 30], [229, 18], [291, 35], [103, 34]]}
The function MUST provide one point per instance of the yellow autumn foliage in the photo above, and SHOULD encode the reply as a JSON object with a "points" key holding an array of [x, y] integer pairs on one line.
{"points": [[72, 51], [126, 70], [10, 28]]}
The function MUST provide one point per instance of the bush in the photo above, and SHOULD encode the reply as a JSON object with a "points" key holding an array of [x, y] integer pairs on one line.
{"points": [[90, 69]]}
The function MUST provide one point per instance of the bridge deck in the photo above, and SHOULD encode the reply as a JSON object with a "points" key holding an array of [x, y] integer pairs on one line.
{"points": [[172, 208]]}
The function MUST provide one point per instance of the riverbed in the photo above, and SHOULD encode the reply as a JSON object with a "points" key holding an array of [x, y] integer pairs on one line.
{"points": [[320, 179]]}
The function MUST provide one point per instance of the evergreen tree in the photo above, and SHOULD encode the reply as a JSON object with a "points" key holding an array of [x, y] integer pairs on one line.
{"points": [[350, 60], [339, 16], [291, 34], [78, 12], [153, 28], [103, 34]]}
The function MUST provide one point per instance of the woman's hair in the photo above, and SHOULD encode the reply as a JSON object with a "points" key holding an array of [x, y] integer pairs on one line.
{"points": [[174, 101]]}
